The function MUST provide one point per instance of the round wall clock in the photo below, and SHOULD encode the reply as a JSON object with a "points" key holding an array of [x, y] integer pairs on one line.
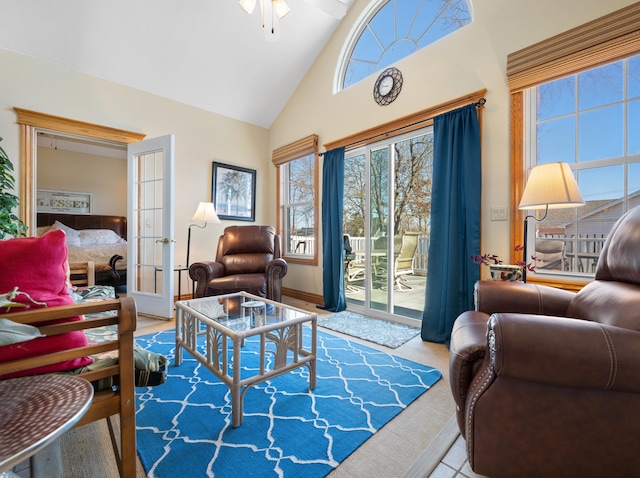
{"points": [[387, 86]]}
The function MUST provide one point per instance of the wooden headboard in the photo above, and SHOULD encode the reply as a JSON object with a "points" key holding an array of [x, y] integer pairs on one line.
{"points": [[85, 221]]}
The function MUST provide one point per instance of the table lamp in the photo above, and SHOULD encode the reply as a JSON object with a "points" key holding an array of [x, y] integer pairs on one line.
{"points": [[550, 186], [205, 214]]}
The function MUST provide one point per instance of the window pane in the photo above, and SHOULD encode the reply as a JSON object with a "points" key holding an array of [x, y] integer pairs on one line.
{"points": [[633, 126], [367, 49], [602, 133], [383, 25], [556, 141], [413, 174], [601, 86], [556, 98], [600, 186], [301, 180], [405, 15], [379, 192], [301, 226], [396, 52], [634, 184], [633, 75], [354, 196], [358, 70]]}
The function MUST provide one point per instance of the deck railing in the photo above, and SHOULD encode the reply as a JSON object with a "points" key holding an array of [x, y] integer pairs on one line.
{"points": [[581, 253]]}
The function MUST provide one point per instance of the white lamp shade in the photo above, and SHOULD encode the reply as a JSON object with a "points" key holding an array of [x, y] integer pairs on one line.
{"points": [[206, 212], [551, 185]]}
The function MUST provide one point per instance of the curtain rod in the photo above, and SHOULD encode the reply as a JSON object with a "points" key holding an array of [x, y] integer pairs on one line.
{"points": [[478, 104]]}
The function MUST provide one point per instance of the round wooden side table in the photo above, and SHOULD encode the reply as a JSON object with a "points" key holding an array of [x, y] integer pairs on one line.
{"points": [[37, 409]]}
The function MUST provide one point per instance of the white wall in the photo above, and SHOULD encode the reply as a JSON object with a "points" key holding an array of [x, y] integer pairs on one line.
{"points": [[200, 137], [469, 60], [105, 178]]}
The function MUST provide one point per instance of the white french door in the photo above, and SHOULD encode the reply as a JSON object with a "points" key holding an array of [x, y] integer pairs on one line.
{"points": [[150, 226]]}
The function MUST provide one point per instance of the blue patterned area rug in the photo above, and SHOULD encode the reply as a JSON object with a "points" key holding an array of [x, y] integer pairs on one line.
{"points": [[383, 332], [184, 426]]}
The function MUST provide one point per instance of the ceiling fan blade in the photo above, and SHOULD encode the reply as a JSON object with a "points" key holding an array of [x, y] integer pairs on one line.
{"points": [[333, 7], [248, 5]]}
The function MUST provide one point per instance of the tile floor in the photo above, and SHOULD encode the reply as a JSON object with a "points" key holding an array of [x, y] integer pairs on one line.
{"points": [[455, 464]]}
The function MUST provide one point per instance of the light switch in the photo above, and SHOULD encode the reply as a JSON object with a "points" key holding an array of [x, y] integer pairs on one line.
{"points": [[499, 213]]}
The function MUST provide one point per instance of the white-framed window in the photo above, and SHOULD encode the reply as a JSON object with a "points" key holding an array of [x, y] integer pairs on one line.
{"points": [[297, 179], [393, 29], [589, 120]]}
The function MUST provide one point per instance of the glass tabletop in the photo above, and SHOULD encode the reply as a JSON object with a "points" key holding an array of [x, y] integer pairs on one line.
{"points": [[242, 311]]}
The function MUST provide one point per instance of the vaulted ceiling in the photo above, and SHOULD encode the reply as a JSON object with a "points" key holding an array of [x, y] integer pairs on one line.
{"points": [[207, 53]]}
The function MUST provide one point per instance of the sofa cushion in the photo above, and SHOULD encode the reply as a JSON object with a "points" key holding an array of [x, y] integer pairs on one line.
{"points": [[37, 266]]}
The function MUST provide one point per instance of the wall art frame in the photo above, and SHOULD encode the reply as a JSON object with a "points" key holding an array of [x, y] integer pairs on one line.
{"points": [[233, 192], [63, 202]]}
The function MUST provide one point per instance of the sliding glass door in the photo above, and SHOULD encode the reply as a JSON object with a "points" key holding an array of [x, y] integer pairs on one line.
{"points": [[386, 225]]}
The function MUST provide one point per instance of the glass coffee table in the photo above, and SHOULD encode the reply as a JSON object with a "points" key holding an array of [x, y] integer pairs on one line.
{"points": [[227, 321]]}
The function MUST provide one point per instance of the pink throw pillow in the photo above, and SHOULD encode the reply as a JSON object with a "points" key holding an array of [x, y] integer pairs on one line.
{"points": [[38, 266]]}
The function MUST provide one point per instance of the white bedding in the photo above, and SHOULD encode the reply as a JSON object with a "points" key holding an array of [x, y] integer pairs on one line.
{"points": [[97, 245], [99, 254]]}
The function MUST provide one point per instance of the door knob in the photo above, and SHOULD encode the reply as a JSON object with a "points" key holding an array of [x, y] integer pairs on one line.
{"points": [[166, 240]]}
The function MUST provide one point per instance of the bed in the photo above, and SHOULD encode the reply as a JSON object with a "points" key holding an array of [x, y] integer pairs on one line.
{"points": [[99, 239]]}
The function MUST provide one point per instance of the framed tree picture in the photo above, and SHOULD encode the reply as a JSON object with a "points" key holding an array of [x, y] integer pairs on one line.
{"points": [[234, 192]]}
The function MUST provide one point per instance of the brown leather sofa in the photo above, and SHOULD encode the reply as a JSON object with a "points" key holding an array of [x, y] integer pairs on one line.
{"points": [[546, 381], [248, 259]]}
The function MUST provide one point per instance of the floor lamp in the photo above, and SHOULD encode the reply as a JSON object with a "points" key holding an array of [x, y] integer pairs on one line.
{"points": [[205, 214], [550, 186]]}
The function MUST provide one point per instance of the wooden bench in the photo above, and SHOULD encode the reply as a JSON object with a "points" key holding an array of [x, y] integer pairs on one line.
{"points": [[106, 403], [82, 273]]}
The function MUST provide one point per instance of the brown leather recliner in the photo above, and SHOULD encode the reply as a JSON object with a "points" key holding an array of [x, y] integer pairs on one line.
{"points": [[546, 381], [248, 259]]}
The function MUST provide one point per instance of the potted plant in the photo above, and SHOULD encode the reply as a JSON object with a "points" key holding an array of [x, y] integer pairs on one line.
{"points": [[506, 272], [10, 224]]}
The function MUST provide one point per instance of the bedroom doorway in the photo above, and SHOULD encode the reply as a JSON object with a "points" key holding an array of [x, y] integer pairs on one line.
{"points": [[30, 124]]}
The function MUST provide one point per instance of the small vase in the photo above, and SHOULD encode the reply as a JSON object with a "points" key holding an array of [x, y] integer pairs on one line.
{"points": [[506, 272]]}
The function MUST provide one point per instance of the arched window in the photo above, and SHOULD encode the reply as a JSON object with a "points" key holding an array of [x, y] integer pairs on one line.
{"points": [[393, 29]]}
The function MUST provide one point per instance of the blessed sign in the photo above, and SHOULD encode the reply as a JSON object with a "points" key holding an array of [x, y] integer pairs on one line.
{"points": [[65, 202]]}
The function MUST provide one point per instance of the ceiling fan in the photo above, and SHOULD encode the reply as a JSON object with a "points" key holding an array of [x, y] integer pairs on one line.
{"points": [[273, 10]]}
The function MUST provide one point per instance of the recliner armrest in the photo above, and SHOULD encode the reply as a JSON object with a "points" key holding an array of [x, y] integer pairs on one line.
{"points": [[275, 271], [497, 296], [202, 272], [276, 268], [564, 352]]}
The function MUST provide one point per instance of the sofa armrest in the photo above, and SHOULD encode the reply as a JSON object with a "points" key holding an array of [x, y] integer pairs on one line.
{"points": [[202, 272], [498, 296], [564, 352], [467, 351]]}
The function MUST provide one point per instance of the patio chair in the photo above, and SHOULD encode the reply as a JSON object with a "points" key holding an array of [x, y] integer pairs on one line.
{"points": [[549, 254], [404, 260], [352, 271]]}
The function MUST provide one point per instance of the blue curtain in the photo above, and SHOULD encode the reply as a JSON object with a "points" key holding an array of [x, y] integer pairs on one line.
{"points": [[332, 245], [455, 222]]}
